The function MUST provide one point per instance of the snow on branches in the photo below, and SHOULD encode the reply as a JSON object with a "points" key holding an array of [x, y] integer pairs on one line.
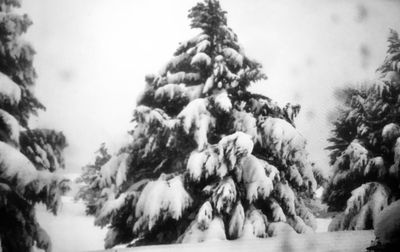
{"points": [[394, 170], [111, 206], [203, 164], [17, 168], [114, 170], [282, 139], [26, 180], [353, 160], [258, 184], [232, 148], [255, 224], [148, 120], [224, 196], [10, 92], [390, 132], [357, 155], [286, 196], [245, 122], [363, 207], [287, 145], [277, 212], [201, 59], [170, 92], [44, 148], [159, 200], [153, 130], [236, 223], [233, 57], [197, 120], [222, 102], [376, 168], [10, 130]]}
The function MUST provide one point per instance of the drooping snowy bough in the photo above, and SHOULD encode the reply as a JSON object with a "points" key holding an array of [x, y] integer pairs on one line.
{"points": [[365, 151], [29, 158], [209, 159]]}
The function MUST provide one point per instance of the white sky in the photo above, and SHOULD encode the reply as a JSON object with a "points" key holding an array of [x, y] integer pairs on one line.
{"points": [[92, 56]]}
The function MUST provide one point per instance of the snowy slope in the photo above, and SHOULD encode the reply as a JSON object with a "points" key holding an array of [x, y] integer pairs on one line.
{"points": [[335, 241]]}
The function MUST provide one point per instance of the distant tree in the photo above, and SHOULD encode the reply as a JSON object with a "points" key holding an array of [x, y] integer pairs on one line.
{"points": [[29, 158], [209, 159], [365, 150], [90, 192]]}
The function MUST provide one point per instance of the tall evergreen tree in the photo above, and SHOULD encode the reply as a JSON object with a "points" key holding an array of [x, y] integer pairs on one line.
{"points": [[209, 159], [29, 158], [365, 150]]}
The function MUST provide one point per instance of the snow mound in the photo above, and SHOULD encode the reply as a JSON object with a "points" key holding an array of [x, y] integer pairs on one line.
{"points": [[204, 216], [387, 228], [299, 226], [215, 232], [280, 229]]}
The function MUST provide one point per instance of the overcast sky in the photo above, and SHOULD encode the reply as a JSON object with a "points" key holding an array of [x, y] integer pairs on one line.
{"points": [[92, 56]]}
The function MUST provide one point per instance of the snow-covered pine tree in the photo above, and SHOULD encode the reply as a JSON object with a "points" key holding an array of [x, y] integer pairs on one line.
{"points": [[29, 158], [90, 191], [365, 150], [209, 159]]}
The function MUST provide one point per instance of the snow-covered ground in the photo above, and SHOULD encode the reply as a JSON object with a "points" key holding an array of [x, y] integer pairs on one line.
{"points": [[72, 230], [354, 241]]}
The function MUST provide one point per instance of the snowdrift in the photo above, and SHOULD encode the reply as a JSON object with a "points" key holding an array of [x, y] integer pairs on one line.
{"points": [[335, 241]]}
